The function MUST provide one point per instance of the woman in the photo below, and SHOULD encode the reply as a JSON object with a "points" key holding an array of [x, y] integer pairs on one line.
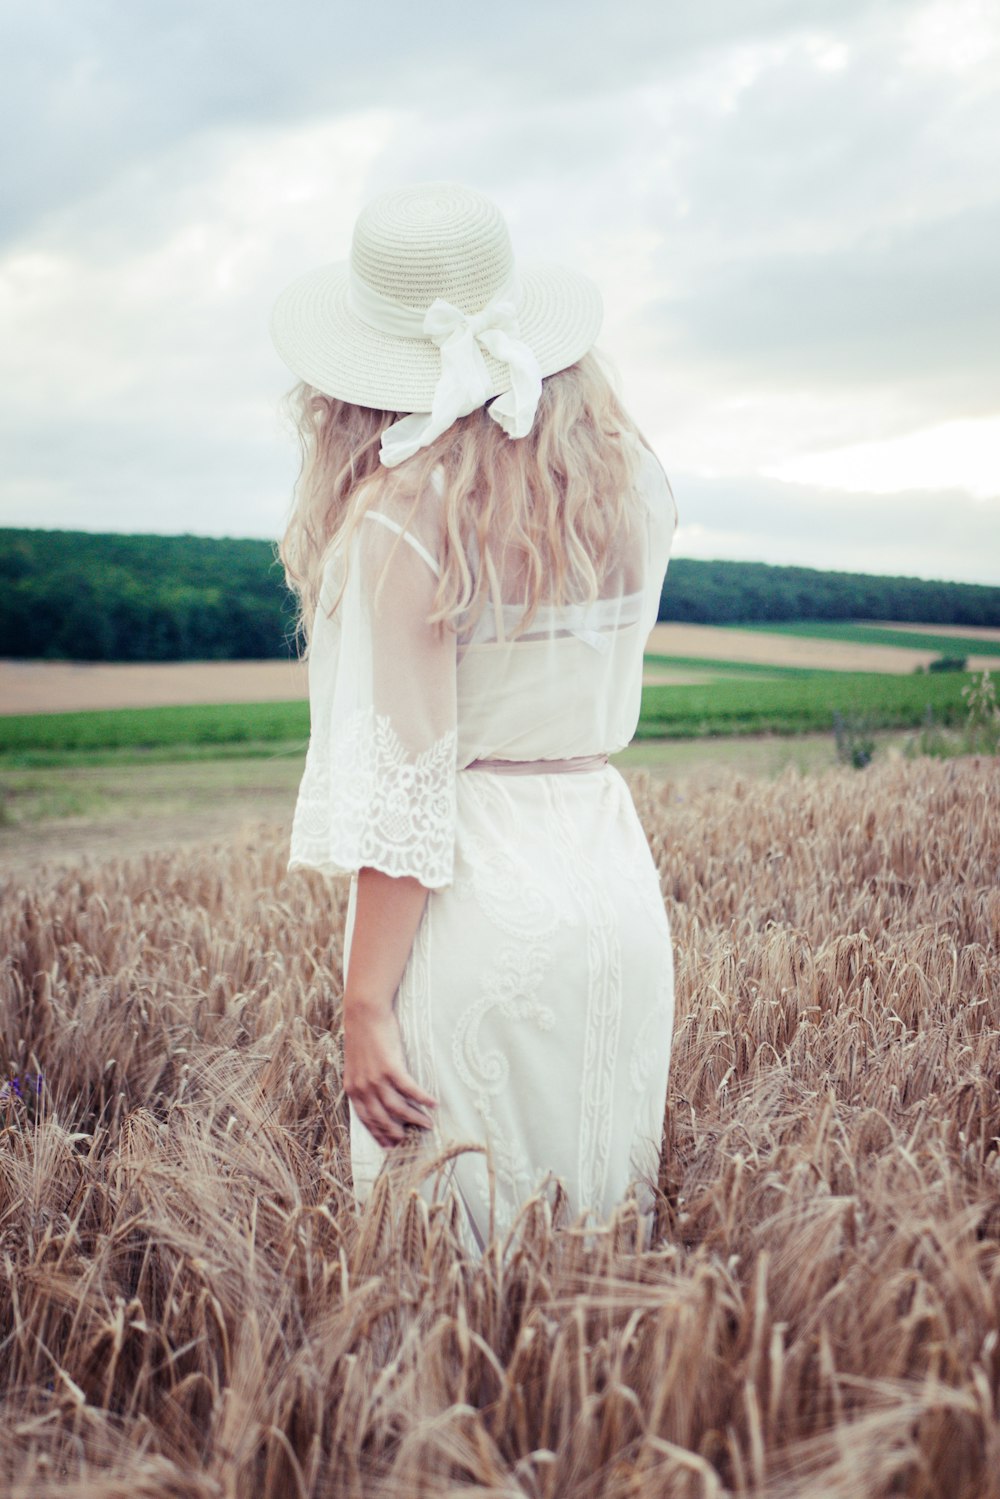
{"points": [[479, 542]]}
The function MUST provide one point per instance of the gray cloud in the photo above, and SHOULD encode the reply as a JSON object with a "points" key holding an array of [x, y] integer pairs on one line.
{"points": [[97, 86], [768, 226], [917, 533], [920, 305]]}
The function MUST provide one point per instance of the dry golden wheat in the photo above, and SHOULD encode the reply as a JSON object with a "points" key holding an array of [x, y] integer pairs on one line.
{"points": [[190, 1305]]}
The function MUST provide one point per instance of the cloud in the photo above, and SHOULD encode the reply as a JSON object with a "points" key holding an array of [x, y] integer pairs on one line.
{"points": [[138, 373], [97, 88], [963, 452], [918, 306], [787, 204], [919, 533]]}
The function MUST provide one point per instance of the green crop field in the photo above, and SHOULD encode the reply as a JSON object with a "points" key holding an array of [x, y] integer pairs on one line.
{"points": [[765, 701], [154, 733], [795, 705], [858, 634], [734, 668]]}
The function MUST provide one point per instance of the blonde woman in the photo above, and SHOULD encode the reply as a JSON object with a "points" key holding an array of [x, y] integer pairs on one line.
{"points": [[478, 542]]}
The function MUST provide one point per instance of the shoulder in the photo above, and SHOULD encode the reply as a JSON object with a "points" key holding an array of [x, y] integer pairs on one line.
{"points": [[652, 482], [394, 512]]}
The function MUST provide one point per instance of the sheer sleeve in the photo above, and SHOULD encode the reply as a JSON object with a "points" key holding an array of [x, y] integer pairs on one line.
{"points": [[661, 523], [378, 789]]}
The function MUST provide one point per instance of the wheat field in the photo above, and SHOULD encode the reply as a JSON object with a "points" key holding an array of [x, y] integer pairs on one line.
{"points": [[190, 1306]]}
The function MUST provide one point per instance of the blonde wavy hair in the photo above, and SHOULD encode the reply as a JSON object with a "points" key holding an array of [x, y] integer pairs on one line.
{"points": [[554, 503]]}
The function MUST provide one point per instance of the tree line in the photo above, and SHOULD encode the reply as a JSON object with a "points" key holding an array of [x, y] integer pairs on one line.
{"points": [[729, 593], [85, 596]]}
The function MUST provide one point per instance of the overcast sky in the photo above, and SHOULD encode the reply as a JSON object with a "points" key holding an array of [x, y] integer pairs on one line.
{"points": [[792, 208]]}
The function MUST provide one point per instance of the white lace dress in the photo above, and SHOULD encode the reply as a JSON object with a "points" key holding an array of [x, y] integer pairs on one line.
{"points": [[537, 1002]]}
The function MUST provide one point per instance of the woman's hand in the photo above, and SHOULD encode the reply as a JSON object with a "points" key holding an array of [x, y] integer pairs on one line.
{"points": [[385, 1097]]}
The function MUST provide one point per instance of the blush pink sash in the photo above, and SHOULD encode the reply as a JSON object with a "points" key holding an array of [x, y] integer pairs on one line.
{"points": [[541, 767]]}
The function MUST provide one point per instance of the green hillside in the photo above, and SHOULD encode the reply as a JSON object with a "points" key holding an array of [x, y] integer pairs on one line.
{"points": [[732, 593], [85, 596]]}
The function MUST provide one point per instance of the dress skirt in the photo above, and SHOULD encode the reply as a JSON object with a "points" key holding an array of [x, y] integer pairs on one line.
{"points": [[537, 1004]]}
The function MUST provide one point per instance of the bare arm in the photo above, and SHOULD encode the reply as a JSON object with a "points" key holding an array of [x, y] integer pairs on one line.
{"points": [[376, 1079]]}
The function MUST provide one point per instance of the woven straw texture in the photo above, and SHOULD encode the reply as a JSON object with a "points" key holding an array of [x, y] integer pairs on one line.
{"points": [[412, 245]]}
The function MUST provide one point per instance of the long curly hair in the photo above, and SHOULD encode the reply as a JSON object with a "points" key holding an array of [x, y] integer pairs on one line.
{"points": [[549, 508]]}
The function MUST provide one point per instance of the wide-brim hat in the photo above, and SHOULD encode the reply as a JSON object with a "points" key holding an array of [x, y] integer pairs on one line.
{"points": [[410, 248]]}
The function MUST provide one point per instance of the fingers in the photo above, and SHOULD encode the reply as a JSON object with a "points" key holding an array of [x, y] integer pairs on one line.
{"points": [[410, 1088], [385, 1109], [410, 1092], [379, 1123], [404, 1109], [386, 1098]]}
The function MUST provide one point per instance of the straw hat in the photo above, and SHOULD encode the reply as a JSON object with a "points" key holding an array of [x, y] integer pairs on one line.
{"points": [[431, 315]]}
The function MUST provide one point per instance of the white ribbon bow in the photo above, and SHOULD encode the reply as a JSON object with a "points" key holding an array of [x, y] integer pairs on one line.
{"points": [[464, 382]]}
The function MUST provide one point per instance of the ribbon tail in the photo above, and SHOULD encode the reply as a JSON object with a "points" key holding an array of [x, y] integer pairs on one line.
{"points": [[462, 386], [464, 382], [514, 410], [405, 437]]}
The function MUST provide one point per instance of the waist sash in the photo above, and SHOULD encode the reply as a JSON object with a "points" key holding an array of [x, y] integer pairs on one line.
{"points": [[541, 767]]}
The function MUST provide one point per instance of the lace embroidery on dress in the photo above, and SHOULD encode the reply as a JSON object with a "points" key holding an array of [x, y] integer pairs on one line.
{"points": [[393, 812], [604, 1000]]}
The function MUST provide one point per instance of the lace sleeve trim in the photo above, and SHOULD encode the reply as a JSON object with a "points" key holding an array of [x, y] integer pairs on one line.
{"points": [[365, 802]]}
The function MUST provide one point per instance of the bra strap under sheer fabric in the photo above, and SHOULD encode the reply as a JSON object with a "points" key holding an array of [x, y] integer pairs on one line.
{"points": [[497, 600]]}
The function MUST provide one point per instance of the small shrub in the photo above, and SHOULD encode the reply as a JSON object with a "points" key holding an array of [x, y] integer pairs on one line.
{"points": [[982, 730], [948, 663], [980, 734], [932, 740], [854, 740]]}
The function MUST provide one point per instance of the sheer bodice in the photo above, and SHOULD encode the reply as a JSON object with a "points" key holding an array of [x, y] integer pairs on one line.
{"points": [[399, 707]]}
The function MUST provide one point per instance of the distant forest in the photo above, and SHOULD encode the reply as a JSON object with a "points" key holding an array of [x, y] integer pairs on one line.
{"points": [[82, 596]]}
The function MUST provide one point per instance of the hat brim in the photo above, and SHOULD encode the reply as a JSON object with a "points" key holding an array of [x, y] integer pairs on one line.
{"points": [[324, 342]]}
